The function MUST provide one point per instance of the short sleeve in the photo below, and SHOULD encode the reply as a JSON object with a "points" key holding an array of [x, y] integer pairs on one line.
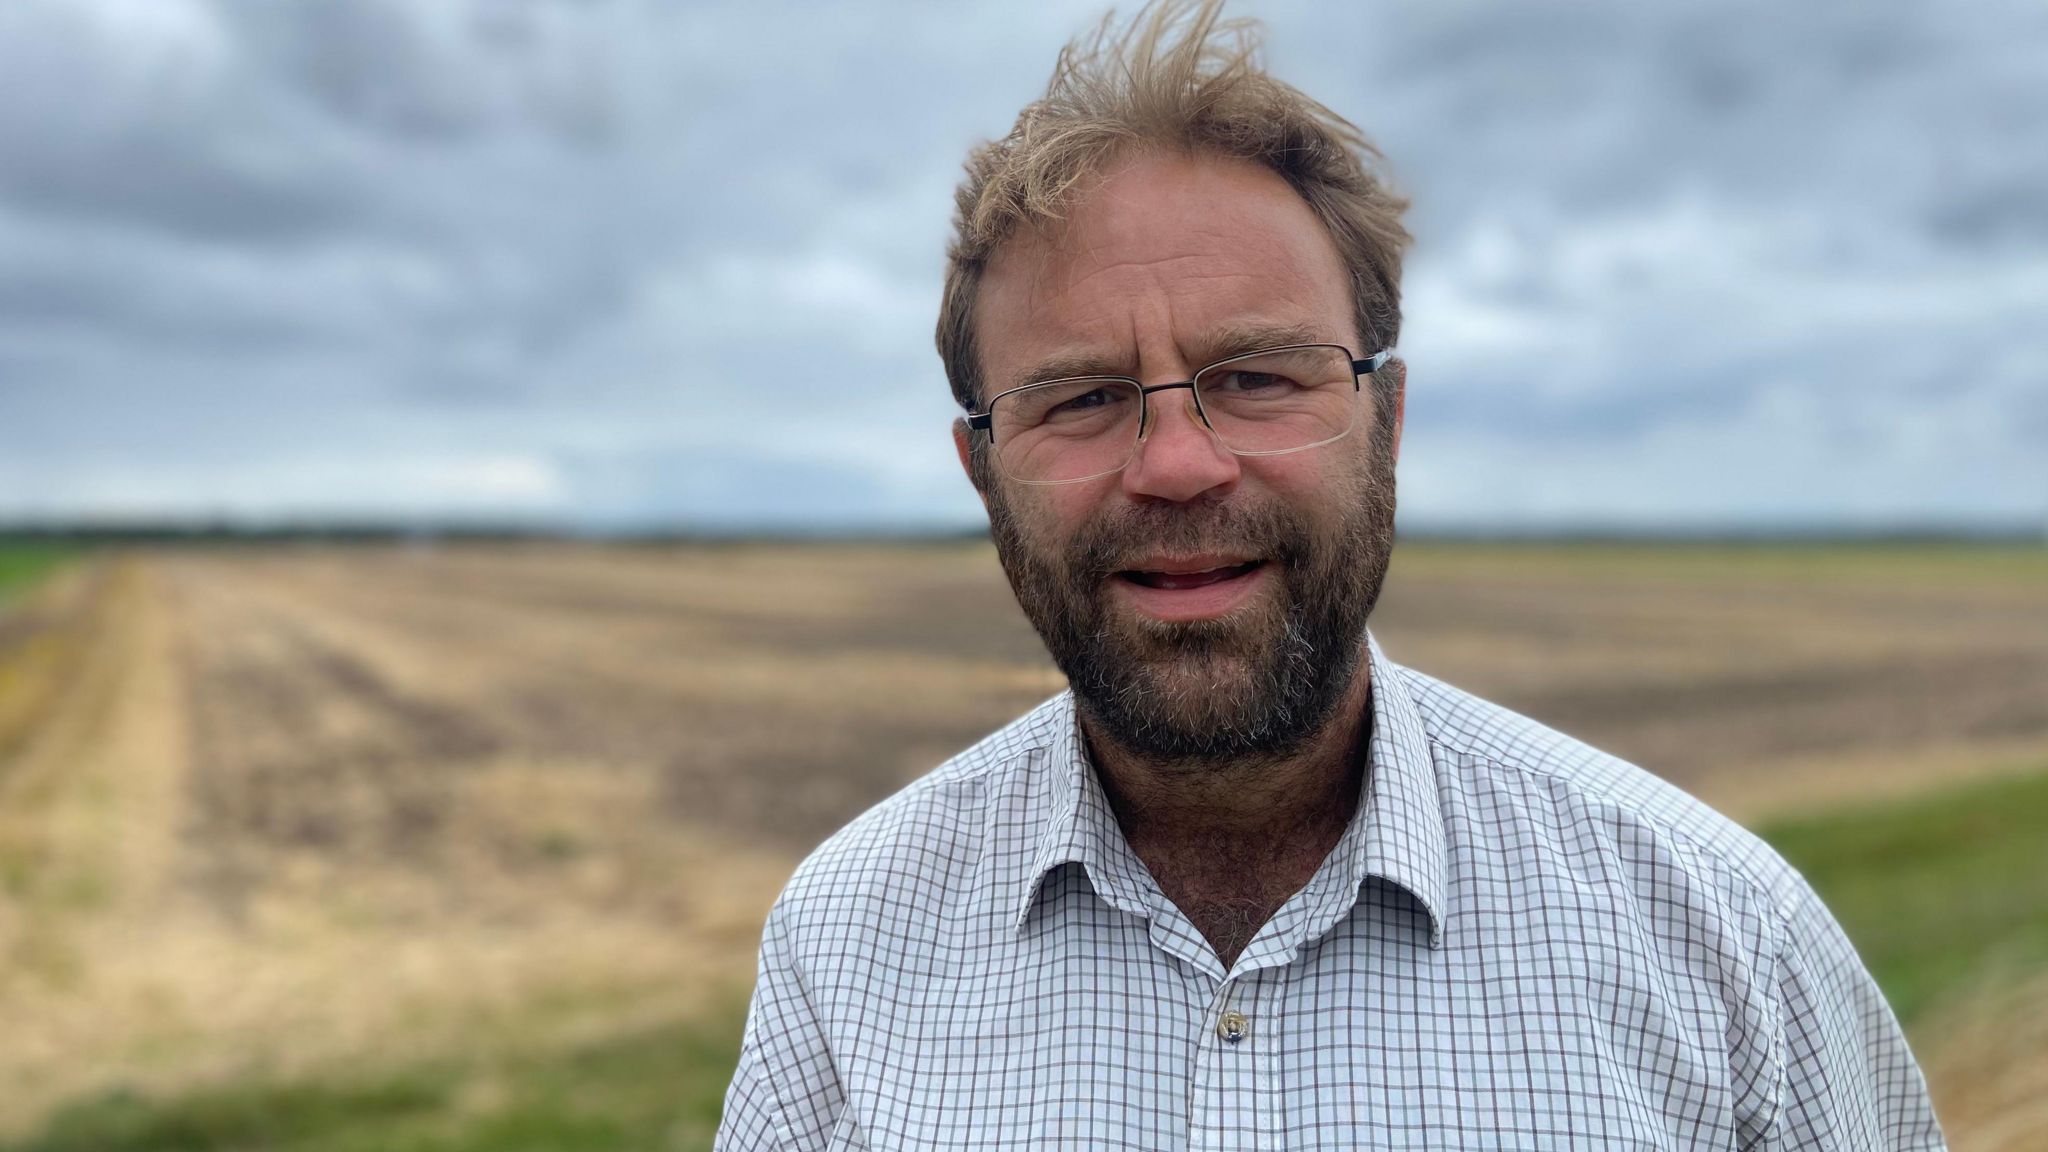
{"points": [[1848, 1078], [785, 1094]]}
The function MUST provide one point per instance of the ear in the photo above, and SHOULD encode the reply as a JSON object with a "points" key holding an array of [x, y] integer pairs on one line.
{"points": [[963, 446]]}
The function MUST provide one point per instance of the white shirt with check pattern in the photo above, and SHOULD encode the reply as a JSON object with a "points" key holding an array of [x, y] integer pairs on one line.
{"points": [[1519, 942]]}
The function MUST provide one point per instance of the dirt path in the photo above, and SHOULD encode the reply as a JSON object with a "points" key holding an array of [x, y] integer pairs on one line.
{"points": [[88, 818], [251, 831]]}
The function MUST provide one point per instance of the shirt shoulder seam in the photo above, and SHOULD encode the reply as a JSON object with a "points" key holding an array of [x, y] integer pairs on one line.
{"points": [[1778, 923]]}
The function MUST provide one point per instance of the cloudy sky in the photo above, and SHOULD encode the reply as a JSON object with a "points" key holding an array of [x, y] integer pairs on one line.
{"points": [[627, 265]]}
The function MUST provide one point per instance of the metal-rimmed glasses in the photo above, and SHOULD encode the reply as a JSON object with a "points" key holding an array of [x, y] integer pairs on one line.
{"points": [[1264, 403]]}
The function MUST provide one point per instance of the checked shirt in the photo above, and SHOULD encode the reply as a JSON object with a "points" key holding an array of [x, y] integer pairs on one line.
{"points": [[1519, 942]]}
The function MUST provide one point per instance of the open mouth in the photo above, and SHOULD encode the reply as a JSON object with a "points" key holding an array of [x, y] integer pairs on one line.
{"points": [[1183, 580]]}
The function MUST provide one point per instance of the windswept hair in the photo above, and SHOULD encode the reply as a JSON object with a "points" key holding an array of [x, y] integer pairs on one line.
{"points": [[1177, 77]]}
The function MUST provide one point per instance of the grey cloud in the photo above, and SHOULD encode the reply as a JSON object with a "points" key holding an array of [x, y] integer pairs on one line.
{"points": [[690, 254], [158, 139], [162, 183], [1873, 108], [438, 74], [1995, 218]]}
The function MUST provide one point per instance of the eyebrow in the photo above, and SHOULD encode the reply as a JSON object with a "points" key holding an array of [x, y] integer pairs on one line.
{"points": [[1238, 339], [1218, 344]]}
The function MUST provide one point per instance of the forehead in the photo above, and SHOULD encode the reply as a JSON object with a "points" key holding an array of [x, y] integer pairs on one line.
{"points": [[1154, 265]]}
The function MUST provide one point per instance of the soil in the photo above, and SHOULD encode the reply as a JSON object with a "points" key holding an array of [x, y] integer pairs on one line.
{"points": [[264, 807]]}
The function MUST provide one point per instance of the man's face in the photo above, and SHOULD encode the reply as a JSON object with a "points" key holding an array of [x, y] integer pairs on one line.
{"points": [[1206, 607]]}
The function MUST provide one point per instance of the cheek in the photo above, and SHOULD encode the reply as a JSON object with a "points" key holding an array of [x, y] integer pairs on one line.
{"points": [[1051, 515], [1309, 482]]}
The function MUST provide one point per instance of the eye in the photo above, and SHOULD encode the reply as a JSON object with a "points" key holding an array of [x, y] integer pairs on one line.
{"points": [[1248, 382], [1088, 404], [1093, 398]]}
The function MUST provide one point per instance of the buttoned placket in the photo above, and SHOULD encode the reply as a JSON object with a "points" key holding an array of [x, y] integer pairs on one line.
{"points": [[1235, 1096], [1236, 1100], [1223, 1114]]}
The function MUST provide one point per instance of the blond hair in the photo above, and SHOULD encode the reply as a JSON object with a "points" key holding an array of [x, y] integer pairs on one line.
{"points": [[1178, 76]]}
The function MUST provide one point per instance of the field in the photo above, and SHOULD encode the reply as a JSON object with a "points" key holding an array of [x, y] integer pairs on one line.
{"points": [[466, 847]]}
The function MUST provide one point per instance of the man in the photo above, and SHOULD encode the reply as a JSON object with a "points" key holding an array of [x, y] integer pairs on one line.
{"points": [[1249, 884]]}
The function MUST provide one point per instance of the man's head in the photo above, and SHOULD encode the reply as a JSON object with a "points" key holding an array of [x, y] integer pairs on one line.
{"points": [[1164, 206]]}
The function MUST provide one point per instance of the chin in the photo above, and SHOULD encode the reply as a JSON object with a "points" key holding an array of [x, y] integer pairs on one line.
{"points": [[1203, 704]]}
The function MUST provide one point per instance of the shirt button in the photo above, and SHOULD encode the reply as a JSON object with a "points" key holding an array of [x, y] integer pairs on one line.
{"points": [[1233, 1026]]}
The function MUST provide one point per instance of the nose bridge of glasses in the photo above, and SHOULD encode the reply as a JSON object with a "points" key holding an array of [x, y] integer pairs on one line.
{"points": [[1154, 403]]}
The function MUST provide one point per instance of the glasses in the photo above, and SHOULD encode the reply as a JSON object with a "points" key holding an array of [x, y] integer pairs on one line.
{"points": [[1265, 403]]}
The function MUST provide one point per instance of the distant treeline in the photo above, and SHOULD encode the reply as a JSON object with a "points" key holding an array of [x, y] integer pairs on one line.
{"points": [[343, 532], [152, 533]]}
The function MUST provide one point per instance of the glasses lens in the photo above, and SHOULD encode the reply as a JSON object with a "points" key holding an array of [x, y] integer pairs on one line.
{"points": [[1066, 429], [1281, 400]]}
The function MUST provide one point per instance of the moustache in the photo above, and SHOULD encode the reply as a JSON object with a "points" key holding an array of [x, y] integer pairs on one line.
{"points": [[1127, 539]]}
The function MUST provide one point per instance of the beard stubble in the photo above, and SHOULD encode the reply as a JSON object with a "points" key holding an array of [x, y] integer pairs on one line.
{"points": [[1257, 683]]}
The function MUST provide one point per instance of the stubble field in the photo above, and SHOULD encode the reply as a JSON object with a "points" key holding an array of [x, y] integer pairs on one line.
{"points": [[292, 816]]}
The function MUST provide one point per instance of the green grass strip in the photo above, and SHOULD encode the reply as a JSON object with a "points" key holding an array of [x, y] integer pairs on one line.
{"points": [[658, 1090], [21, 565], [1940, 894]]}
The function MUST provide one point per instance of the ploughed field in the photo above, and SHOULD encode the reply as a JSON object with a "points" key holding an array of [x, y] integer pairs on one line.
{"points": [[271, 813]]}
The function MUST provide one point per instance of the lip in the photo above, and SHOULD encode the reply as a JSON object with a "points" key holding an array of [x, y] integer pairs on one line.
{"points": [[1205, 602], [1182, 565]]}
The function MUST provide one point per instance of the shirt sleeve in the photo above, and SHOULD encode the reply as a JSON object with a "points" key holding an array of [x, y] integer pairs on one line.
{"points": [[1848, 1078], [751, 1121], [785, 1094]]}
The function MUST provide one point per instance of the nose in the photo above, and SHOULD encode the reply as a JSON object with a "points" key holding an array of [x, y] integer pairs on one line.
{"points": [[1178, 458]]}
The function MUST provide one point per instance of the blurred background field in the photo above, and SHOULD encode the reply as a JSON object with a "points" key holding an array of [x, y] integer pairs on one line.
{"points": [[445, 845], [363, 787]]}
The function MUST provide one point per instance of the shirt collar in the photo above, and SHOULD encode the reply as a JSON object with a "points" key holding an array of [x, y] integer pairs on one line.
{"points": [[1077, 826], [1397, 834]]}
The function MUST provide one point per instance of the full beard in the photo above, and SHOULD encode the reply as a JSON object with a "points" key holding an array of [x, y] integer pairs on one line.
{"points": [[1256, 684]]}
